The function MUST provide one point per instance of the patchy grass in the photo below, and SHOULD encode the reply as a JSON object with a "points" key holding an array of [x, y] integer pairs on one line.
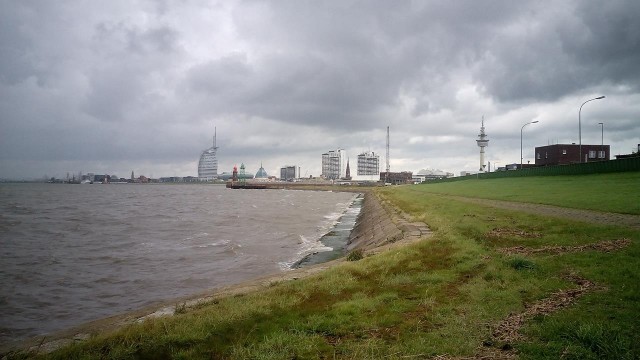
{"points": [[355, 255], [441, 296], [520, 263], [580, 340]]}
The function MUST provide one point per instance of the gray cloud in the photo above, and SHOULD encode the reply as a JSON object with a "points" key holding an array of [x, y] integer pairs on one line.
{"points": [[562, 49], [119, 85]]}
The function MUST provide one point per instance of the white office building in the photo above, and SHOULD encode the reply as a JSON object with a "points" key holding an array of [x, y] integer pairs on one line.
{"points": [[367, 167], [334, 164], [368, 164]]}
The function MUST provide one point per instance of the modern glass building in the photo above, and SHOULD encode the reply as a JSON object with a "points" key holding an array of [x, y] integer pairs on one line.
{"points": [[208, 164], [289, 173], [262, 173]]}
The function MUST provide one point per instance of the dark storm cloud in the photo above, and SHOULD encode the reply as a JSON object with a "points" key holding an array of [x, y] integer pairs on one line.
{"points": [[293, 89], [307, 64], [20, 27], [14, 62], [146, 81], [341, 64], [562, 48], [609, 48]]}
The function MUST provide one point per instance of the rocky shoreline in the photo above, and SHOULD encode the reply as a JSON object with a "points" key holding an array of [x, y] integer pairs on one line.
{"points": [[376, 229]]}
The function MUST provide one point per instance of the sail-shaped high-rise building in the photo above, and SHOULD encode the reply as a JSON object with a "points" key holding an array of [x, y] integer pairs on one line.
{"points": [[208, 164]]}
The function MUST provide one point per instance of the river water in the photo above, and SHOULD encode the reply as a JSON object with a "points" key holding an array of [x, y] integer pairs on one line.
{"points": [[75, 253]]}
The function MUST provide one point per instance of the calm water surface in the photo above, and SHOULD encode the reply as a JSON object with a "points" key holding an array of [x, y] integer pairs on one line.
{"points": [[75, 253]]}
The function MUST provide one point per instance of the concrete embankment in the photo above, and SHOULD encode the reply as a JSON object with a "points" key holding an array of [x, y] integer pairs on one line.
{"points": [[374, 226], [378, 226]]}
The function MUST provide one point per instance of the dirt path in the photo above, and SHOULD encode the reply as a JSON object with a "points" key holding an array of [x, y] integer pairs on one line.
{"points": [[589, 216], [507, 331], [603, 246]]}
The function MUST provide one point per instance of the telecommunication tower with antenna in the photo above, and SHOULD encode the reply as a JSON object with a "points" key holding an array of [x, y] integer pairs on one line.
{"points": [[483, 142]]}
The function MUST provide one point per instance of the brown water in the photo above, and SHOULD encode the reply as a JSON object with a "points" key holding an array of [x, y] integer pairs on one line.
{"points": [[74, 253]]}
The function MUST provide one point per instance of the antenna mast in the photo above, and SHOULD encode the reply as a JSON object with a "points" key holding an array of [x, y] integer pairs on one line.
{"points": [[386, 174], [388, 168]]}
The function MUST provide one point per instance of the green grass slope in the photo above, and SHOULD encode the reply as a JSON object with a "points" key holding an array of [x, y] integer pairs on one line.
{"points": [[445, 295], [611, 192]]}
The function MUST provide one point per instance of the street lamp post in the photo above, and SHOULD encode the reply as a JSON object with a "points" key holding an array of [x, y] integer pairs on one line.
{"points": [[601, 139], [580, 124], [522, 128]]}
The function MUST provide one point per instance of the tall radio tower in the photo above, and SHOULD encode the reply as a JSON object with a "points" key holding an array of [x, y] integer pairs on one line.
{"points": [[386, 173], [483, 142], [388, 168]]}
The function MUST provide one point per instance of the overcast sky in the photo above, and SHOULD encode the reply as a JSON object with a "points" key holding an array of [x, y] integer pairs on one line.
{"points": [[115, 86]]}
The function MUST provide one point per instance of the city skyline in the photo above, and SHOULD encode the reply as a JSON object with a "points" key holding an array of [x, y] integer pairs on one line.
{"points": [[114, 87]]}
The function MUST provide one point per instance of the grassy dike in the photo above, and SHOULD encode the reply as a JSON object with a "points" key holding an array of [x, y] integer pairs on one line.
{"points": [[466, 291], [612, 192]]}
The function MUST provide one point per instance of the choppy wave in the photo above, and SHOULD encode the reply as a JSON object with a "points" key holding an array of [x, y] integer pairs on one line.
{"points": [[72, 254], [341, 220]]}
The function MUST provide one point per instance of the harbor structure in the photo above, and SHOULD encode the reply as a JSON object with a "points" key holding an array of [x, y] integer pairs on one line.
{"points": [[242, 176], [208, 164], [482, 142], [334, 164], [235, 175], [242, 180]]}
